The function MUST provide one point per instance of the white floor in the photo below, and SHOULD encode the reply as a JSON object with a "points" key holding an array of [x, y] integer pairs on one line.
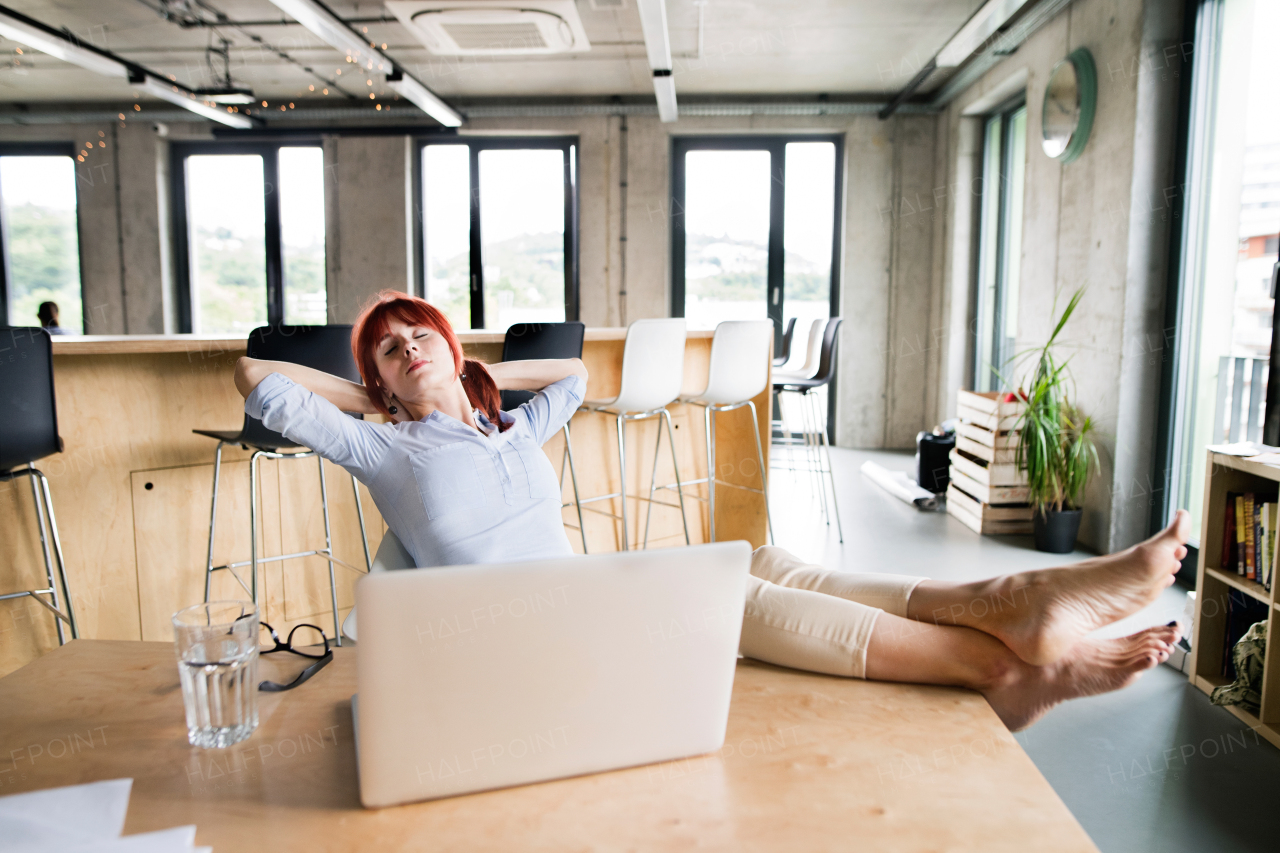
{"points": [[1154, 767], [883, 534]]}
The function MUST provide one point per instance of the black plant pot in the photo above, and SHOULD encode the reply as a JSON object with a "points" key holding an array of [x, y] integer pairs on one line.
{"points": [[1056, 530]]}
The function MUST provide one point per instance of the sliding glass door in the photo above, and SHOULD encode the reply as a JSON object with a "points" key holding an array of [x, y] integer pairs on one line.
{"points": [[499, 230], [754, 230], [1222, 310]]}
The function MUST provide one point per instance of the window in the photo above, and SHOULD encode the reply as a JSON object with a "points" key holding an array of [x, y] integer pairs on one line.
{"points": [[1004, 157], [755, 230], [499, 230], [1222, 309], [39, 237], [250, 226]]}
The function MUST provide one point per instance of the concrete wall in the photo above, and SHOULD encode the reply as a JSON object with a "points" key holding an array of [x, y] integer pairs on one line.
{"points": [[1097, 223]]}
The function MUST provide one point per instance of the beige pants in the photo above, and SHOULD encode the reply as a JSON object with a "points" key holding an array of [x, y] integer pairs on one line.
{"points": [[807, 617]]}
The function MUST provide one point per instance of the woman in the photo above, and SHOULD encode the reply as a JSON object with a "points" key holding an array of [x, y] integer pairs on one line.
{"points": [[461, 482]]}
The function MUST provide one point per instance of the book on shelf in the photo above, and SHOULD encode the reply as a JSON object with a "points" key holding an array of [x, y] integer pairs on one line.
{"points": [[1241, 527], [1250, 538], [1250, 529], [1228, 561]]}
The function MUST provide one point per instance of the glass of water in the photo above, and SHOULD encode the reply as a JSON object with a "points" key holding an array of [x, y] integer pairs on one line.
{"points": [[217, 649]]}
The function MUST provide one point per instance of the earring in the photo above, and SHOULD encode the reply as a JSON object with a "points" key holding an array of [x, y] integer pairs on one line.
{"points": [[393, 410]]}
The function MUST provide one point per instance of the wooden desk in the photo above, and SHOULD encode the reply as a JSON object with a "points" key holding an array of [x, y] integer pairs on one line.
{"points": [[132, 488], [810, 763]]}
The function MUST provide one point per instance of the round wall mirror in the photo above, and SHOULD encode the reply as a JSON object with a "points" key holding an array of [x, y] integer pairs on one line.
{"points": [[1069, 103]]}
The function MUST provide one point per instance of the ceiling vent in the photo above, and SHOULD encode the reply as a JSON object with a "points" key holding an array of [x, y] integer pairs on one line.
{"points": [[493, 27]]}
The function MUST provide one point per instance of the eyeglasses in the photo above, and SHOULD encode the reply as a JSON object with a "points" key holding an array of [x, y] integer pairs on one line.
{"points": [[321, 660]]}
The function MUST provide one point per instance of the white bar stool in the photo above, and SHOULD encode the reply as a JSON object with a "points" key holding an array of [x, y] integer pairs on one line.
{"points": [[652, 372], [739, 371]]}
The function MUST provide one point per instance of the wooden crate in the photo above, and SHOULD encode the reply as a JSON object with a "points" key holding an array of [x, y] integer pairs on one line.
{"points": [[995, 495], [1232, 474], [988, 474], [988, 410], [985, 518], [996, 455]]}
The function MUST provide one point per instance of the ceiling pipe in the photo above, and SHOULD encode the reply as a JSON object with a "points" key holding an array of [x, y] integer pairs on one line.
{"points": [[337, 33], [980, 27]]}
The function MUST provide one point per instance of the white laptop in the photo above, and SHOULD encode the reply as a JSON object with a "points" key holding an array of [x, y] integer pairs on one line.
{"points": [[480, 677]]}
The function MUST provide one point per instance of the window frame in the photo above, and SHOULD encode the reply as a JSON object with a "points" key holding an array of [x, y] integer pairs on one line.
{"points": [[775, 279], [571, 146], [984, 375], [39, 149], [273, 240]]}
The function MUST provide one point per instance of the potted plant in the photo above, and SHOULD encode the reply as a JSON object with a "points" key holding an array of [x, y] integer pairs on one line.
{"points": [[1055, 447]]}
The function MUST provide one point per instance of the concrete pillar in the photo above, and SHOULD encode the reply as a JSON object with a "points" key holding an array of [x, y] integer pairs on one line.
{"points": [[369, 220]]}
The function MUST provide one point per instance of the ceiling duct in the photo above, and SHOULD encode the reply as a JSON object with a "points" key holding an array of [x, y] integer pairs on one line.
{"points": [[493, 27]]}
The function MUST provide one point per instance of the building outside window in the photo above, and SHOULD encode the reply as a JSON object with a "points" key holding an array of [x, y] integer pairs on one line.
{"points": [[250, 220], [1004, 158], [1230, 240], [499, 230], [39, 236]]}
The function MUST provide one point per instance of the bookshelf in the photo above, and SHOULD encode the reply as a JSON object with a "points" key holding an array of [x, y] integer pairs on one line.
{"points": [[1233, 474]]}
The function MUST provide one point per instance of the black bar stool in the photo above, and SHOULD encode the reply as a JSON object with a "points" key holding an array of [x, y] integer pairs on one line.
{"points": [[29, 431], [326, 348], [528, 341], [787, 335], [817, 449]]}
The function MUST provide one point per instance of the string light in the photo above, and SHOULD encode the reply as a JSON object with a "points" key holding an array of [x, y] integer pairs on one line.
{"points": [[121, 115], [384, 45], [311, 88], [100, 133], [325, 92], [264, 103], [371, 96], [102, 145], [368, 82], [80, 157], [137, 108], [19, 50], [379, 106], [364, 29], [291, 105]]}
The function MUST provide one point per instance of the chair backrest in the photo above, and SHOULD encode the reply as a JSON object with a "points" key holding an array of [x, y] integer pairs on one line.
{"points": [[326, 348], [652, 365], [29, 426], [525, 341], [784, 354], [739, 361], [813, 350], [827, 360]]}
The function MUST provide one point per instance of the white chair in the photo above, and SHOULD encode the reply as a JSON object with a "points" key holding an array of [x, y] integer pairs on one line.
{"points": [[392, 556], [812, 353], [652, 372], [739, 371]]}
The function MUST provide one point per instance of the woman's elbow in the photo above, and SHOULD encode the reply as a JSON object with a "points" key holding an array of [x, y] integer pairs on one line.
{"points": [[246, 376], [578, 368]]}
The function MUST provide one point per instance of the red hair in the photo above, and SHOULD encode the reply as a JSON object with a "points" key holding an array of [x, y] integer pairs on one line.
{"points": [[374, 322]]}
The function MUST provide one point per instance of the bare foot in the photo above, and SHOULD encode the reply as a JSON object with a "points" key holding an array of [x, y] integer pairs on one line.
{"points": [[1040, 615], [1024, 693]]}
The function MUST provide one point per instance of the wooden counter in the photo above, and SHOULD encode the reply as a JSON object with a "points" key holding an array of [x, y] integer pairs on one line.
{"points": [[132, 488], [810, 763]]}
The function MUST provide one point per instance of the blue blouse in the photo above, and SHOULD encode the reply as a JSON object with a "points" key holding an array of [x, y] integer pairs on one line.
{"points": [[451, 495]]}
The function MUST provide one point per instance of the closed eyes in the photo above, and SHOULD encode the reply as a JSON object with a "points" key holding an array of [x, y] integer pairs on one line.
{"points": [[394, 346]]}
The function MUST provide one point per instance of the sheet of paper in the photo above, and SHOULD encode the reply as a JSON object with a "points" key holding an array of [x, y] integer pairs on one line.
{"points": [[65, 816], [179, 839], [898, 484]]}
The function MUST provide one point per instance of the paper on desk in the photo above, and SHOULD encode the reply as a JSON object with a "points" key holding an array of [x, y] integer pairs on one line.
{"points": [[75, 814], [83, 819], [902, 487]]}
